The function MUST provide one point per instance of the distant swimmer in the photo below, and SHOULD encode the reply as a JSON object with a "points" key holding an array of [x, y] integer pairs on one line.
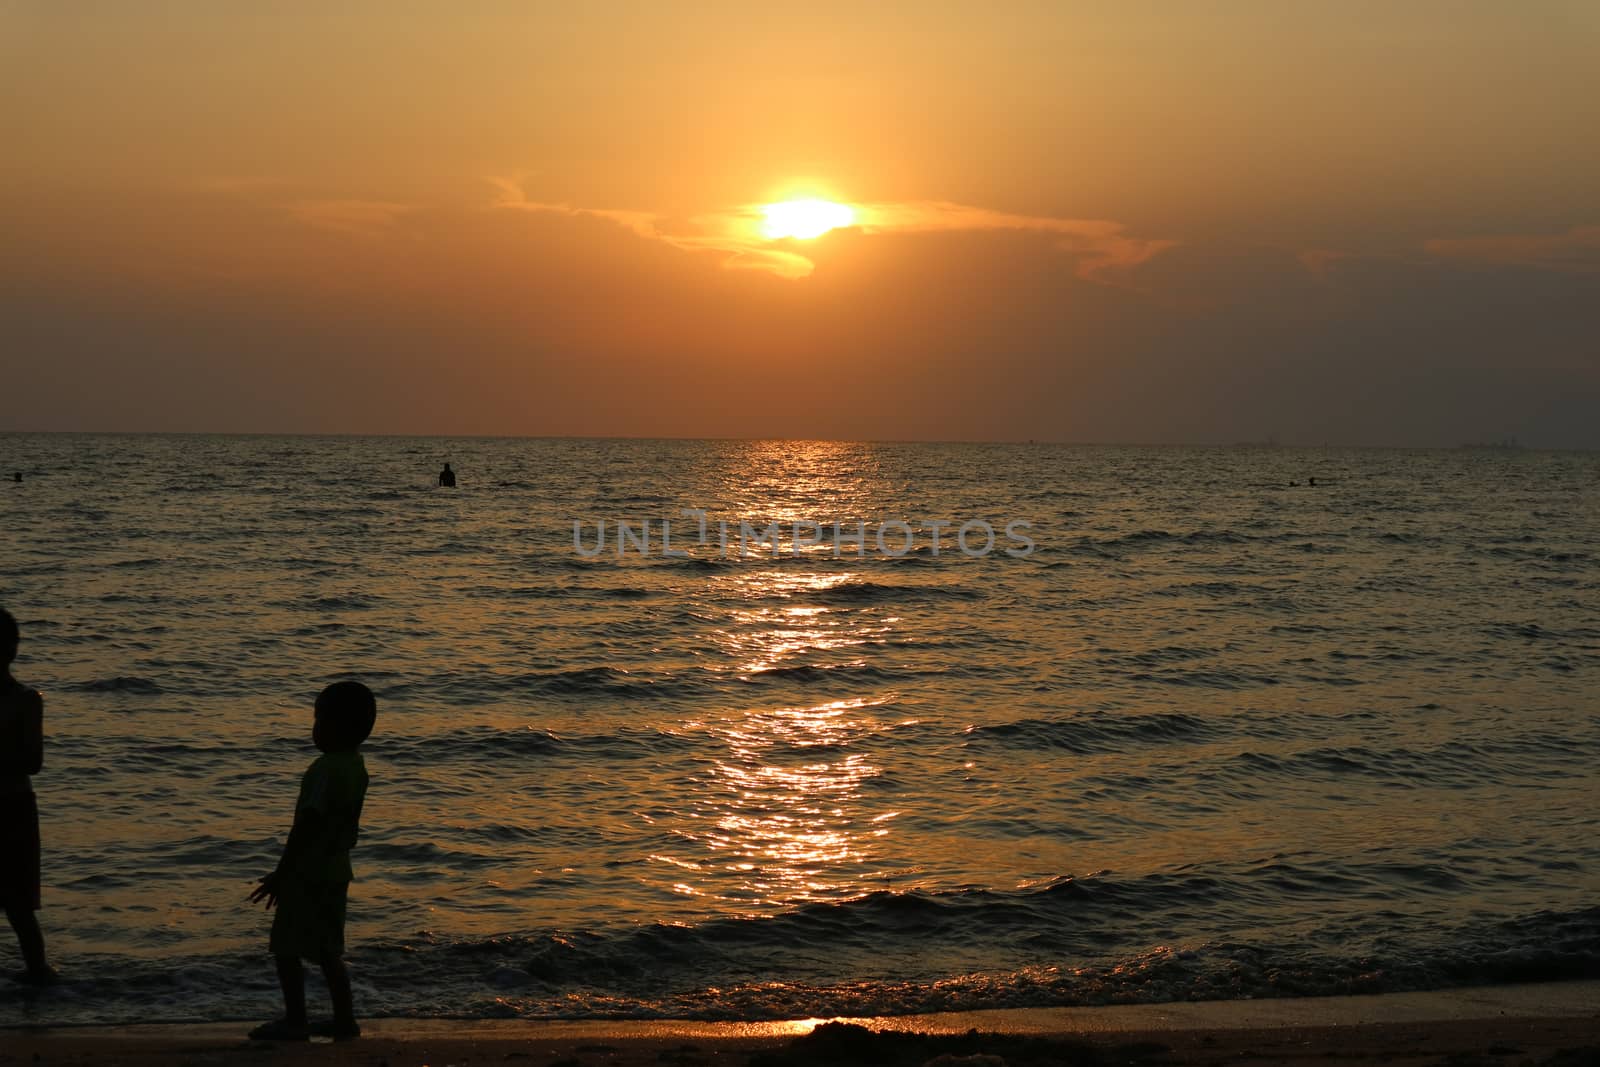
{"points": [[447, 477]]}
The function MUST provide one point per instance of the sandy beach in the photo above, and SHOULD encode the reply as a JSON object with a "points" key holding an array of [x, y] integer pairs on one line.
{"points": [[1550, 1023]]}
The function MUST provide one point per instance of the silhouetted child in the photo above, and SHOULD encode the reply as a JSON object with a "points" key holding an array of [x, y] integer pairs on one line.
{"points": [[312, 880], [21, 754]]}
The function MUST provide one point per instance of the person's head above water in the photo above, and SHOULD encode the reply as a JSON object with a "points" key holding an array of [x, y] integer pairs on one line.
{"points": [[345, 714], [9, 636]]}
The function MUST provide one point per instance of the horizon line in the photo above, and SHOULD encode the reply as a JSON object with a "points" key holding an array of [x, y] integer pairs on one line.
{"points": [[1509, 444]]}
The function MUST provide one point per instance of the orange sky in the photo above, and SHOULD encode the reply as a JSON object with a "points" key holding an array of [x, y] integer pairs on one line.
{"points": [[1352, 223]]}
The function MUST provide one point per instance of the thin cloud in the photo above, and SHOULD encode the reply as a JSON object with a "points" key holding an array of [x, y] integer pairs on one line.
{"points": [[350, 216], [235, 184], [1319, 262], [1105, 251], [731, 233], [1577, 250], [513, 197], [744, 256]]}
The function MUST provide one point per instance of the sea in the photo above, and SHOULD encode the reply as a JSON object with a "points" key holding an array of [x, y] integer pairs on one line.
{"points": [[972, 726]]}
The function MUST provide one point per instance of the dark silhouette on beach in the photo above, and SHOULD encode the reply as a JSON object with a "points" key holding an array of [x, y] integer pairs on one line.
{"points": [[21, 756], [312, 880], [447, 477]]}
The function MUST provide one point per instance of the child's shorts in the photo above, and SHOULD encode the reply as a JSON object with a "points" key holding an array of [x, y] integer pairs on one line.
{"points": [[309, 921], [19, 851]]}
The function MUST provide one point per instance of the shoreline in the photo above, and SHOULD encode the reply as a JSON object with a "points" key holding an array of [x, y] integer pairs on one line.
{"points": [[1556, 1022]]}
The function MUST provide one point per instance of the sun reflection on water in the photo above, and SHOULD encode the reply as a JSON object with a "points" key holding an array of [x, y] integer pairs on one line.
{"points": [[784, 814], [785, 809], [766, 636]]}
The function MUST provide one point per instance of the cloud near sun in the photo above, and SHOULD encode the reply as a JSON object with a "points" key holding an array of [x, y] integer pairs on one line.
{"points": [[1103, 248]]}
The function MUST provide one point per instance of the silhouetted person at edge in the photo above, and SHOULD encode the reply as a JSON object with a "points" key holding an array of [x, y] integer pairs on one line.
{"points": [[447, 477], [1311, 481], [21, 754]]}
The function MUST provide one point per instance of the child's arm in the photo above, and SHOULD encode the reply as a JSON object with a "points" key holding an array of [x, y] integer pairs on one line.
{"points": [[267, 891], [28, 756], [306, 838]]}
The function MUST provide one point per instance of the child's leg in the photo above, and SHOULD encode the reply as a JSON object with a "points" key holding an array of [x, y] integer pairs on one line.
{"points": [[344, 1009], [292, 977], [292, 1027], [30, 939]]}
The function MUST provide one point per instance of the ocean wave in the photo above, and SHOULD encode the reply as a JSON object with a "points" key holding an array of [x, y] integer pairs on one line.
{"points": [[807, 673], [1156, 657], [488, 685], [332, 604], [1095, 732], [698, 564], [490, 744], [142, 563], [1449, 764], [1559, 559], [870, 592], [1213, 679], [119, 684], [881, 959], [763, 969], [1532, 631]]}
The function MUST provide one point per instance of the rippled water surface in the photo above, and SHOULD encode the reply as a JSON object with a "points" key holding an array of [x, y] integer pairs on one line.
{"points": [[1217, 735]]}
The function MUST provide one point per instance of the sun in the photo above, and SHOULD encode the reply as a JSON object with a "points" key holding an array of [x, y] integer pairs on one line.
{"points": [[803, 219]]}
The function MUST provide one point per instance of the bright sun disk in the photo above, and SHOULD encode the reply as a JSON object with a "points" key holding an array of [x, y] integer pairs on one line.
{"points": [[803, 219]]}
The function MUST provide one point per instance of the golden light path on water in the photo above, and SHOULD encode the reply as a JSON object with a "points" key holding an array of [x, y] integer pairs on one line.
{"points": [[785, 828], [782, 815]]}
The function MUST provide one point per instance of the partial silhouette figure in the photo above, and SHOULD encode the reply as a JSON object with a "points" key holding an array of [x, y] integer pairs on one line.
{"points": [[17, 477], [21, 755], [447, 477], [312, 880], [1311, 481]]}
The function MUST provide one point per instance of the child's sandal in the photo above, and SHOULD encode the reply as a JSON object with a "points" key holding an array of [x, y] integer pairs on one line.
{"points": [[281, 1030], [338, 1031]]}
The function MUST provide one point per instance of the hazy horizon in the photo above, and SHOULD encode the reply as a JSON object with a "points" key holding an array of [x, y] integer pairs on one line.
{"points": [[1503, 444]]}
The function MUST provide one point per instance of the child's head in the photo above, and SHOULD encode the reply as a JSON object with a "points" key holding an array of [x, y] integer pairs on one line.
{"points": [[8, 638], [345, 714]]}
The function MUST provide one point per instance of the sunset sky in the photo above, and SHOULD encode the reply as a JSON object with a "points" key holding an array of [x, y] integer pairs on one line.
{"points": [[1351, 223]]}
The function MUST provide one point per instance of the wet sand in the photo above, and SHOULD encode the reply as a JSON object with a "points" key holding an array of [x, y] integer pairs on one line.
{"points": [[1554, 1023]]}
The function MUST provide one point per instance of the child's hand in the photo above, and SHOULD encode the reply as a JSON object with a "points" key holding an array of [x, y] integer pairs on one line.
{"points": [[267, 890]]}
